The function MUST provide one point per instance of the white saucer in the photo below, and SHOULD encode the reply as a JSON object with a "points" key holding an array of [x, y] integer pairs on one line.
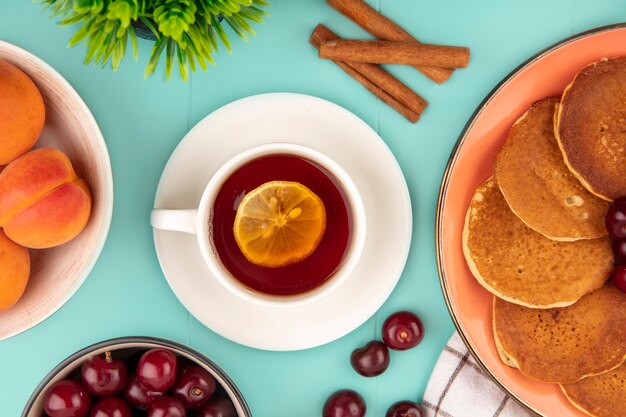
{"points": [[330, 129]]}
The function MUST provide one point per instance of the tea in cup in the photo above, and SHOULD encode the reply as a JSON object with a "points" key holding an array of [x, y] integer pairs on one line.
{"points": [[280, 225]]}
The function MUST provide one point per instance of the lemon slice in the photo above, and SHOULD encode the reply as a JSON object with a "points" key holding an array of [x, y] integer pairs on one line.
{"points": [[279, 223]]}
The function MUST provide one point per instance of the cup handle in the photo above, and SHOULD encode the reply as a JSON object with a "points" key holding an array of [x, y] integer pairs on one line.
{"points": [[174, 220]]}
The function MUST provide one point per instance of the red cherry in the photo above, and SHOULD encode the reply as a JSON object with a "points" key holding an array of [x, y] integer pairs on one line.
{"points": [[218, 407], [619, 251], [404, 409], [104, 376], [167, 407], [619, 277], [194, 387], [156, 370], [67, 399], [402, 331], [344, 403], [139, 396], [615, 220], [111, 407], [370, 360]]}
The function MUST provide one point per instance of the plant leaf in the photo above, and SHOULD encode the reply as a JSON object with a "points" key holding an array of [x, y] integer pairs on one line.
{"points": [[133, 42], [74, 18], [220, 32], [150, 26], [188, 31], [157, 50], [193, 52], [182, 62], [119, 51], [169, 58], [107, 49], [250, 15], [92, 7], [234, 26], [80, 34], [94, 44]]}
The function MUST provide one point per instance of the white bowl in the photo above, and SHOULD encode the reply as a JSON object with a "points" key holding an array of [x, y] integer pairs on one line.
{"points": [[57, 273]]}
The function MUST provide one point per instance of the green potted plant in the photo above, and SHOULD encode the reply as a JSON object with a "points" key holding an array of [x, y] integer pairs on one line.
{"points": [[186, 31]]}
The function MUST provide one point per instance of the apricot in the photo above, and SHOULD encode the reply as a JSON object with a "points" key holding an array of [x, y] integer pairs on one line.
{"points": [[22, 113], [14, 271], [43, 203]]}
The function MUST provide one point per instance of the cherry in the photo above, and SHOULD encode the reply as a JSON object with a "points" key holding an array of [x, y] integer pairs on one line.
{"points": [[194, 387], [104, 376], [138, 395], [67, 399], [183, 364], [217, 407], [167, 407], [615, 220], [111, 407], [156, 369], [619, 277], [402, 331], [619, 251], [344, 403], [370, 360], [404, 409]]}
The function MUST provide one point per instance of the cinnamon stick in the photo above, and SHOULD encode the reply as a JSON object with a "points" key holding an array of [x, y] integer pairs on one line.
{"points": [[387, 52], [383, 28], [392, 85], [392, 102], [378, 81]]}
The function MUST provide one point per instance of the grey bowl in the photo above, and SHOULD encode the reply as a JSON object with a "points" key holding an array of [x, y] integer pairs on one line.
{"points": [[126, 347]]}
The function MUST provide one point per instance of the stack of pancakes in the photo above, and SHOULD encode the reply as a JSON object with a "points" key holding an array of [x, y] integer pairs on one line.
{"points": [[535, 237]]}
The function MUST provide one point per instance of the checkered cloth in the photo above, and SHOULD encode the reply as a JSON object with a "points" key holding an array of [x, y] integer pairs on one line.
{"points": [[459, 387]]}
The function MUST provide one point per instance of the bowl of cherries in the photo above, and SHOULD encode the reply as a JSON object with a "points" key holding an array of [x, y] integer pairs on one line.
{"points": [[136, 377]]}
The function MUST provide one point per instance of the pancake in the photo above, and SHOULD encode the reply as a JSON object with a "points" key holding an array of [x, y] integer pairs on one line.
{"points": [[538, 186], [566, 344], [524, 267], [600, 396], [589, 127]]}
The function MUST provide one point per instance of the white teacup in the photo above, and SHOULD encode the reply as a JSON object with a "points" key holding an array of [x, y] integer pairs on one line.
{"points": [[197, 221]]}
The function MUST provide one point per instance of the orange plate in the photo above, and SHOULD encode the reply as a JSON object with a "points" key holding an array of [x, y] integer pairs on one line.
{"points": [[471, 162]]}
